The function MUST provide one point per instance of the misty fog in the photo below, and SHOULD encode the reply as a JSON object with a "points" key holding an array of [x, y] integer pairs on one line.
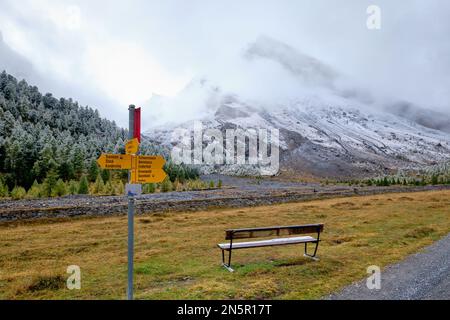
{"points": [[107, 54]]}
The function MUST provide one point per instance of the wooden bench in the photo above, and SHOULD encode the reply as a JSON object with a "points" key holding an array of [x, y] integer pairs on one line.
{"points": [[279, 232]]}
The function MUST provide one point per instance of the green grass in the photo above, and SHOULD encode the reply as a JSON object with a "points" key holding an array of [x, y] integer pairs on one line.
{"points": [[177, 258]]}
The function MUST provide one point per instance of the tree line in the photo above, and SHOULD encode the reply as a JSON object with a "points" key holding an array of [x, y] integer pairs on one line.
{"points": [[52, 144]]}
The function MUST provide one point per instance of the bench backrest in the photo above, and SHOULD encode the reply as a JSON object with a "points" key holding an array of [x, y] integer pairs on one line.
{"points": [[272, 231]]}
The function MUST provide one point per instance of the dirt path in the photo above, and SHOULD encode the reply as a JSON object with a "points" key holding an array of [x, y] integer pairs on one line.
{"points": [[422, 276]]}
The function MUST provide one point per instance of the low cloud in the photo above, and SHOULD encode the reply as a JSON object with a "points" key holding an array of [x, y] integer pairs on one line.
{"points": [[108, 54]]}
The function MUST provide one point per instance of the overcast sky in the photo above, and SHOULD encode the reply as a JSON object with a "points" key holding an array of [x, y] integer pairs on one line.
{"points": [[109, 53]]}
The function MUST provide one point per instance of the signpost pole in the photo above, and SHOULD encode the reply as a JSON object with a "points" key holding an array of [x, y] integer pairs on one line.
{"points": [[130, 215], [142, 169]]}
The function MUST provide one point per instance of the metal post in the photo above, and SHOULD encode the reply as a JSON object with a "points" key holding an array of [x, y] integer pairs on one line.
{"points": [[130, 246], [130, 216]]}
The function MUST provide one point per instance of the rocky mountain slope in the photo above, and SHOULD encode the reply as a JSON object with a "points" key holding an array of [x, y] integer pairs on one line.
{"points": [[326, 130]]}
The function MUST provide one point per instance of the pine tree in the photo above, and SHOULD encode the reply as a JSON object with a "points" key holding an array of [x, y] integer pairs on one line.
{"points": [[73, 187], [78, 161], [99, 186], [434, 179], [66, 171], [59, 189], [83, 187], [423, 181], [176, 185], [106, 175], [35, 191], [50, 183], [93, 171], [45, 163], [40, 134]]}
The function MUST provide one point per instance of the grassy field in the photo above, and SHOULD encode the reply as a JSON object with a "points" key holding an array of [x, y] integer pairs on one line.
{"points": [[176, 254]]}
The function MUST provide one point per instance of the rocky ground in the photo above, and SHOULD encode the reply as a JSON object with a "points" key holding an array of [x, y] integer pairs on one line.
{"points": [[236, 192]]}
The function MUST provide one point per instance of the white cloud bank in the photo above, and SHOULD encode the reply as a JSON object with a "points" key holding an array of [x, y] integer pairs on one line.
{"points": [[109, 54]]}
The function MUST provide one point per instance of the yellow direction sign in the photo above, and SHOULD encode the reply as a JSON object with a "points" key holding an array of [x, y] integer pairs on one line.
{"points": [[144, 169], [148, 169], [150, 162], [115, 161], [132, 146], [148, 176]]}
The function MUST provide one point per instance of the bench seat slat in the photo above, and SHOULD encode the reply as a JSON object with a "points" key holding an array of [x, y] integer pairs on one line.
{"points": [[267, 243], [272, 231]]}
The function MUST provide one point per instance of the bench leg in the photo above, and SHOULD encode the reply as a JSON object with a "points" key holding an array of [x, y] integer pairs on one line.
{"points": [[313, 256], [227, 266]]}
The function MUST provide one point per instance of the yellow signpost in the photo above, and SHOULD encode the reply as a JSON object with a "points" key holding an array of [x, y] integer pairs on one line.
{"points": [[115, 161], [149, 162], [148, 169], [144, 169], [132, 146]]}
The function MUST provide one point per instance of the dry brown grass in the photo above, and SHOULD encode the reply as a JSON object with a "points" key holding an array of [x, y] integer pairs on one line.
{"points": [[176, 254]]}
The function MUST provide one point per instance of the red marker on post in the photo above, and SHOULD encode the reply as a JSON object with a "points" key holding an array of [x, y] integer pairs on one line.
{"points": [[137, 124]]}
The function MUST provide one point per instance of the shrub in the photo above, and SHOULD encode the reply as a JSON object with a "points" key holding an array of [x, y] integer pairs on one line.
{"points": [[420, 232], [181, 178], [4, 192], [197, 185], [149, 188], [106, 175], [177, 185], [219, 184], [211, 184], [47, 282], [18, 193], [109, 188], [119, 188], [166, 186], [83, 187]]}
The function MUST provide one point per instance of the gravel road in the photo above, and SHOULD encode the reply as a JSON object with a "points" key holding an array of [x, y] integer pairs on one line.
{"points": [[236, 192], [423, 276]]}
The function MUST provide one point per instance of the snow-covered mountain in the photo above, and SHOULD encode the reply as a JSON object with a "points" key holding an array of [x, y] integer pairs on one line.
{"points": [[327, 129]]}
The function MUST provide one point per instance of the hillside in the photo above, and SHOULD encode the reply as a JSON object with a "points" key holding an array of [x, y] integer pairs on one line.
{"points": [[39, 133]]}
